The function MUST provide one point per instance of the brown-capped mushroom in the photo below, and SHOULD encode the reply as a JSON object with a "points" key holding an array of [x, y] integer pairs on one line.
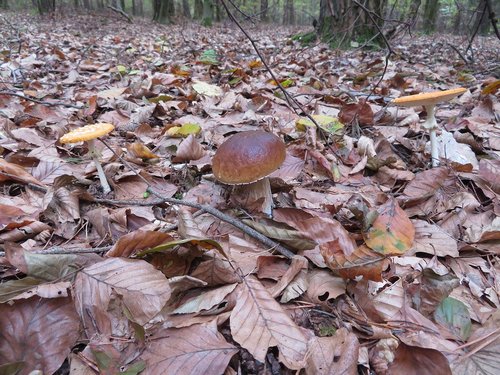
{"points": [[88, 134], [248, 158], [429, 101]]}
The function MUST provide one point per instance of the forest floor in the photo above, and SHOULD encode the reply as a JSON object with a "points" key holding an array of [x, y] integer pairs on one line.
{"points": [[394, 265]]}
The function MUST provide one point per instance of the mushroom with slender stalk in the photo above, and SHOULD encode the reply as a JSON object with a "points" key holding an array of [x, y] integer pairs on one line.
{"points": [[89, 134], [248, 158], [429, 101]]}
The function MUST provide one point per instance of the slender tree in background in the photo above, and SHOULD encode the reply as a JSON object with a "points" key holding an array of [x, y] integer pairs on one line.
{"points": [[185, 9], [4, 4], [163, 11], [482, 20], [431, 10], [342, 21], [46, 6], [198, 9], [208, 12], [288, 13], [264, 5]]}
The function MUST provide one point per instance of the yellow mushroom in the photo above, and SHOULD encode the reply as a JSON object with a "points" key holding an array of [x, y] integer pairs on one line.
{"points": [[88, 134]]}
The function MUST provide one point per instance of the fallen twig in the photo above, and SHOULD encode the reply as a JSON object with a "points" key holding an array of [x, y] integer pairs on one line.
{"points": [[121, 12], [48, 104]]}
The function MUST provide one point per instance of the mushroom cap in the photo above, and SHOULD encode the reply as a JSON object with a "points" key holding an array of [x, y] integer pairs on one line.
{"points": [[87, 132], [428, 98], [247, 157]]}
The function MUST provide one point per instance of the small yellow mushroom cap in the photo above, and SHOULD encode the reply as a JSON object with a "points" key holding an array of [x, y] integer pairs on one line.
{"points": [[428, 98], [86, 133]]}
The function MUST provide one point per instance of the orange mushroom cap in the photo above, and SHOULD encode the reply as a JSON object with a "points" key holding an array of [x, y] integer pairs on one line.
{"points": [[428, 98], [247, 157], [86, 133]]}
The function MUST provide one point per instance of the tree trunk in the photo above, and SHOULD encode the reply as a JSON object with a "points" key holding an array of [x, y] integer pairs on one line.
{"points": [[198, 9], [288, 13], [264, 4], [208, 13], [4, 4], [431, 10], [46, 6], [185, 9], [342, 21], [482, 19], [163, 11]]}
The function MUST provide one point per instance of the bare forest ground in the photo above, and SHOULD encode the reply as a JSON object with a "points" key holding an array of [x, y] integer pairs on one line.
{"points": [[384, 265]]}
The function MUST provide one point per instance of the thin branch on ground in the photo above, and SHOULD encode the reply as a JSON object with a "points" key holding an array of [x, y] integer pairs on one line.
{"points": [[47, 104], [208, 209]]}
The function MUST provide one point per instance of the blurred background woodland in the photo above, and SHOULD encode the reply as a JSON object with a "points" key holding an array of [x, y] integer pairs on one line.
{"points": [[334, 20]]}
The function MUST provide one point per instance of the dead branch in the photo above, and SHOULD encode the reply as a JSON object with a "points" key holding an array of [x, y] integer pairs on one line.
{"points": [[121, 12], [48, 104]]}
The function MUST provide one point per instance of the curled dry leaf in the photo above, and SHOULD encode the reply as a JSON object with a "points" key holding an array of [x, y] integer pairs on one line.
{"points": [[140, 151], [14, 172], [189, 149], [258, 322], [194, 350], [362, 262], [134, 242], [38, 332]]}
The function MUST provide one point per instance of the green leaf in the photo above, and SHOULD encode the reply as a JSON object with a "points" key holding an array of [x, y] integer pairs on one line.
{"points": [[209, 57], [453, 314], [121, 69]]}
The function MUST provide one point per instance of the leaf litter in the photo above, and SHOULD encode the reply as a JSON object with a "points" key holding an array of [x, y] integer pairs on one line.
{"points": [[393, 264]]}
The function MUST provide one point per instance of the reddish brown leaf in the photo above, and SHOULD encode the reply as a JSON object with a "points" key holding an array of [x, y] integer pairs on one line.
{"points": [[38, 332], [134, 242]]}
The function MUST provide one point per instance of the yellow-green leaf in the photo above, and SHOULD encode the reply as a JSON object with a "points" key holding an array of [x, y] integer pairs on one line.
{"points": [[184, 130], [329, 124]]}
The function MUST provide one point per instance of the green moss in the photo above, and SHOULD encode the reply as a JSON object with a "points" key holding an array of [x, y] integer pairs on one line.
{"points": [[305, 38]]}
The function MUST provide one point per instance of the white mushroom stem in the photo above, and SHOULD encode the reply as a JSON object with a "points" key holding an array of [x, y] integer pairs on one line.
{"points": [[431, 125], [100, 172], [258, 190]]}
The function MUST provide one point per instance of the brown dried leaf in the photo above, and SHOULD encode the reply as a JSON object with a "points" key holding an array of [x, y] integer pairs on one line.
{"points": [[189, 149], [337, 354], [362, 112], [426, 183], [144, 290], [140, 151], [431, 239], [362, 262], [324, 287], [38, 332], [194, 350], [203, 299], [134, 242], [259, 322], [412, 360], [10, 171]]}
